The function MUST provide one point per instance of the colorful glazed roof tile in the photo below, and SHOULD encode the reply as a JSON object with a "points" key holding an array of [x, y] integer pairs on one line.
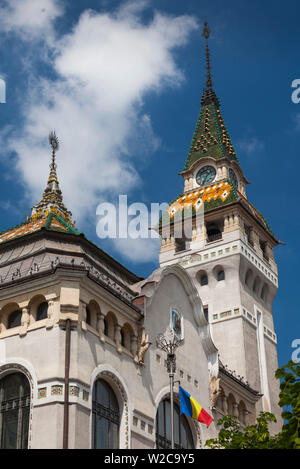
{"points": [[210, 138], [212, 197], [53, 222], [217, 194]]}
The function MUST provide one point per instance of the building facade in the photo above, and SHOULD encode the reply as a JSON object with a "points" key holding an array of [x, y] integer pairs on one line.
{"points": [[79, 363]]}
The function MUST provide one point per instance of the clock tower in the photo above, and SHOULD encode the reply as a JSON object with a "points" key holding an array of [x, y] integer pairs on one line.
{"points": [[229, 255]]}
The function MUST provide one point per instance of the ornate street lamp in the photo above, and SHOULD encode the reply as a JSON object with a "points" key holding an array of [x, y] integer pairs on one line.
{"points": [[169, 342]]}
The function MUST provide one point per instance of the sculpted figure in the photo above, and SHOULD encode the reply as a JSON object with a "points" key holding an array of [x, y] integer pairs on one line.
{"points": [[215, 391], [144, 345]]}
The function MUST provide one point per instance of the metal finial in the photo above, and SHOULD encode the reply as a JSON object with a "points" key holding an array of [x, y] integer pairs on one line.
{"points": [[206, 34], [206, 30], [53, 140], [54, 143]]}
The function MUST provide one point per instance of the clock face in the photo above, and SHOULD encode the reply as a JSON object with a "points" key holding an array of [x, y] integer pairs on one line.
{"points": [[205, 175], [233, 178]]}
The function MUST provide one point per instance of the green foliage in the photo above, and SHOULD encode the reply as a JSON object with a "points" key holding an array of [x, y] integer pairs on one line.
{"points": [[290, 399], [233, 436]]}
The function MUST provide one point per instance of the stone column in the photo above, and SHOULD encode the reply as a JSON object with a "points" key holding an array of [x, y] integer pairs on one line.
{"points": [[24, 321], [269, 251], [235, 409], [51, 319], [256, 241], [224, 404], [118, 338], [134, 345], [246, 417], [82, 315], [251, 236], [101, 326], [1, 322]]}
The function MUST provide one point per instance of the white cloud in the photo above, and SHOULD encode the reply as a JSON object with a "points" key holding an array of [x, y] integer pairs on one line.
{"points": [[137, 250], [106, 65], [31, 18], [250, 145]]}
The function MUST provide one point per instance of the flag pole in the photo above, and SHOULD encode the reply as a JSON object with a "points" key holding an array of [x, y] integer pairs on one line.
{"points": [[169, 342]]}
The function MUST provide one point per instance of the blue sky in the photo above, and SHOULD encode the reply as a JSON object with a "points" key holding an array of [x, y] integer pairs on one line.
{"points": [[125, 118]]}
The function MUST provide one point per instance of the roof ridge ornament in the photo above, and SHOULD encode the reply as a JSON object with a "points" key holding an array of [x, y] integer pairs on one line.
{"points": [[54, 143], [52, 201]]}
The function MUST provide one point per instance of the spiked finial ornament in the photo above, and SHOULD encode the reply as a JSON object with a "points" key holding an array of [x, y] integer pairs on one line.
{"points": [[53, 140], [54, 143]]}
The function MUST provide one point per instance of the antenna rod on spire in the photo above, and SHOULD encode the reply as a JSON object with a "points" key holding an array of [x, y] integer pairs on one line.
{"points": [[206, 34]]}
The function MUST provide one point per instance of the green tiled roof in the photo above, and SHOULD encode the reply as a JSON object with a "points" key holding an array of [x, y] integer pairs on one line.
{"points": [[210, 138]]}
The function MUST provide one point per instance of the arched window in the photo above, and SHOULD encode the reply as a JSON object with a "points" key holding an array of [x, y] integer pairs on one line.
{"points": [[220, 275], [111, 325], [42, 311], [88, 315], [183, 438], [122, 337], [248, 278], [14, 319], [203, 280], [14, 411], [106, 417], [264, 293], [213, 232], [256, 285], [105, 327], [242, 413]]}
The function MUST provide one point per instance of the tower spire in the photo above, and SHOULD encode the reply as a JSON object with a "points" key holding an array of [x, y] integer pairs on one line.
{"points": [[210, 138], [206, 34], [52, 201], [209, 95]]}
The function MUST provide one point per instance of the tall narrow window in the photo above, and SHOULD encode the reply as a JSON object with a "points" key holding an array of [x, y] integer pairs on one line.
{"points": [[105, 327], [203, 280], [14, 319], [14, 411], [182, 432], [88, 315], [42, 311], [106, 417], [221, 275]]}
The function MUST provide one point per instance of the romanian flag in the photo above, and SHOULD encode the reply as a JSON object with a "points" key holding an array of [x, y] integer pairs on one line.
{"points": [[191, 408]]}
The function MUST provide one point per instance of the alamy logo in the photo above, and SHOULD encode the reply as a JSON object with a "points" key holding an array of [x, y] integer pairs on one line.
{"points": [[296, 353], [296, 92], [2, 91]]}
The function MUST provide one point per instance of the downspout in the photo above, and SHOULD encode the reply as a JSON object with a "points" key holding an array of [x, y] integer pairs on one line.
{"points": [[67, 375]]}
